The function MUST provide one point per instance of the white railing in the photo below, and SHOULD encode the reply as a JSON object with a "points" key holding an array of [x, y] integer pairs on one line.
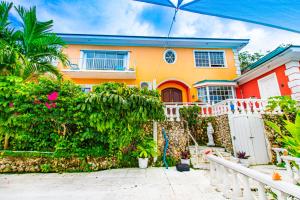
{"points": [[113, 64], [229, 106], [172, 110], [237, 182], [293, 172]]}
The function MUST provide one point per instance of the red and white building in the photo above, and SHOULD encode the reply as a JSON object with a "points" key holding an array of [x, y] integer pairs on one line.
{"points": [[276, 74]]}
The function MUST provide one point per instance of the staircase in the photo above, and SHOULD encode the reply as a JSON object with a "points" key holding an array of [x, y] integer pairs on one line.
{"points": [[198, 159]]}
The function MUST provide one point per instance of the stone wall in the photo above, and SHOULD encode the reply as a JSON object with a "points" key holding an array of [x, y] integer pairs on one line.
{"points": [[272, 136], [222, 134], [14, 164], [178, 137]]}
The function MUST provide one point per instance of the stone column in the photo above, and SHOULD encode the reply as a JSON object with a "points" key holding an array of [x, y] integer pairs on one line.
{"points": [[293, 73]]}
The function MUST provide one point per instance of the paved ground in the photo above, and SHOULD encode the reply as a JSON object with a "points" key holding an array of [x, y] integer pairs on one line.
{"points": [[117, 184]]}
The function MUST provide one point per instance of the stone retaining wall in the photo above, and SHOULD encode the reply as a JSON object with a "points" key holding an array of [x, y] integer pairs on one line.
{"points": [[13, 164], [179, 138], [222, 134]]}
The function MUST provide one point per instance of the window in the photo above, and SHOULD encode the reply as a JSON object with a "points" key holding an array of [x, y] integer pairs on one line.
{"points": [[209, 58], [215, 94], [86, 88], [170, 56], [105, 60]]}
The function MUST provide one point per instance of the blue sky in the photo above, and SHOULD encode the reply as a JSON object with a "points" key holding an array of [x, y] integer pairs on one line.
{"points": [[128, 17]]}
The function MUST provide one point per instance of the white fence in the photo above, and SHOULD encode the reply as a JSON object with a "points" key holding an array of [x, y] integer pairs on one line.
{"points": [[237, 182], [230, 106]]}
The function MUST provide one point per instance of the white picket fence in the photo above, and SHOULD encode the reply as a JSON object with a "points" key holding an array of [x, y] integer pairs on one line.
{"points": [[238, 182], [229, 106]]}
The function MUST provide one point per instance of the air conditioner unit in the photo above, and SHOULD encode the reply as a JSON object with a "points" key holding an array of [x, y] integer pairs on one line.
{"points": [[146, 84]]}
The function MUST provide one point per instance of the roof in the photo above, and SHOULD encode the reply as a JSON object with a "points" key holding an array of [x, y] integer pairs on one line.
{"points": [[267, 57], [274, 59], [153, 41], [214, 82]]}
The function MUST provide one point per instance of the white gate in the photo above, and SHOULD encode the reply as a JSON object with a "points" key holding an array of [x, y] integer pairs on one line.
{"points": [[248, 135]]}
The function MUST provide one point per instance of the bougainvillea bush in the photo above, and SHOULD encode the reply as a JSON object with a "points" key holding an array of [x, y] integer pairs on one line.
{"points": [[55, 115]]}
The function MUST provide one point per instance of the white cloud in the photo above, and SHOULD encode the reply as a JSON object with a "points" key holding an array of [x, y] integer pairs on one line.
{"points": [[122, 17], [261, 38]]}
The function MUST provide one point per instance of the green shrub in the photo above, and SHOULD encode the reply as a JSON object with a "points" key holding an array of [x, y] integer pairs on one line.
{"points": [[101, 123], [45, 168]]}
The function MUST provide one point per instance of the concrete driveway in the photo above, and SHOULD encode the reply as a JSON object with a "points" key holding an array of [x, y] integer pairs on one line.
{"points": [[116, 184]]}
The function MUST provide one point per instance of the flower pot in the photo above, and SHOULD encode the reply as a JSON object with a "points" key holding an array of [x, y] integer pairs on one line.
{"points": [[143, 163], [185, 161], [244, 162]]}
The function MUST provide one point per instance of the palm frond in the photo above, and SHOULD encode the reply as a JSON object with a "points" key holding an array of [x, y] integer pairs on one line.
{"points": [[5, 7]]}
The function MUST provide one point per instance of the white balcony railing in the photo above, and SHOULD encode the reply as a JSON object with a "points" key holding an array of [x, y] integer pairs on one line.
{"points": [[238, 182], [229, 106], [110, 64]]}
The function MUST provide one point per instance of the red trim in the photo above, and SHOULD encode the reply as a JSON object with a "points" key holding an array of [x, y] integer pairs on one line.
{"points": [[186, 87]]}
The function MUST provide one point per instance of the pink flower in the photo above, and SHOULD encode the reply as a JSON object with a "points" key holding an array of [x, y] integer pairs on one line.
{"points": [[53, 96], [48, 105], [53, 105], [11, 104]]}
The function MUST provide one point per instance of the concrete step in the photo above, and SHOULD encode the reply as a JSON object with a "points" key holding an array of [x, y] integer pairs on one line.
{"points": [[199, 160]]}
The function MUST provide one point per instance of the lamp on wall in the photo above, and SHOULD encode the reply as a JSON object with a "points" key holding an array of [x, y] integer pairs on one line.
{"points": [[193, 96]]}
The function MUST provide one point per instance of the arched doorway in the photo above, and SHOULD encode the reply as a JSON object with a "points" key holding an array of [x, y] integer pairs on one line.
{"points": [[171, 95], [174, 91]]}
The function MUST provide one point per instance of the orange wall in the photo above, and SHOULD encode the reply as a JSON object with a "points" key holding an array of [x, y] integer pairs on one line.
{"points": [[150, 65], [250, 89]]}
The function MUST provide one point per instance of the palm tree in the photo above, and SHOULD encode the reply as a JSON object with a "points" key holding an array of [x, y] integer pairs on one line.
{"points": [[32, 50]]}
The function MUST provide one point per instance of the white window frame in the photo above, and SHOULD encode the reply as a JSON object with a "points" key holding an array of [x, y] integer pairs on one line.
{"points": [[164, 56], [82, 64], [207, 92], [209, 61]]}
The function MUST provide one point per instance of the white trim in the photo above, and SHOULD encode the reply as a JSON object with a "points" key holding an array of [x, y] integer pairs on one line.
{"points": [[208, 95], [215, 84], [209, 62], [172, 79], [83, 56], [273, 75], [164, 56], [236, 61]]}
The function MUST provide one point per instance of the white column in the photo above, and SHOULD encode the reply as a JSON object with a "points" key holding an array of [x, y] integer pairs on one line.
{"points": [[293, 73], [236, 61]]}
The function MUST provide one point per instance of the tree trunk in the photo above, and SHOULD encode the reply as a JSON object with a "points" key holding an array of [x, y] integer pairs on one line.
{"points": [[6, 141]]}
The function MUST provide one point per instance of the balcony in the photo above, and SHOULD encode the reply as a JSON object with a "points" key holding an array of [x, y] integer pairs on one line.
{"points": [[99, 68]]}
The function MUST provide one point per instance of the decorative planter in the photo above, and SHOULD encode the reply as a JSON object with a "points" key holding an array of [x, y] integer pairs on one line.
{"points": [[244, 162], [143, 163], [185, 161]]}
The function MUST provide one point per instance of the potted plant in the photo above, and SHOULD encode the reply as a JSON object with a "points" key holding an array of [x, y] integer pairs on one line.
{"points": [[243, 158], [185, 157], [144, 151]]}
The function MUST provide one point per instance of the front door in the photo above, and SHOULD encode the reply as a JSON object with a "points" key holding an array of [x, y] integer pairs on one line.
{"points": [[268, 86], [171, 95]]}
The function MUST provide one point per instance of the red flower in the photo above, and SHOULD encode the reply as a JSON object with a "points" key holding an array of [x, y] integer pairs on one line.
{"points": [[53, 96], [53, 105], [11, 104]]}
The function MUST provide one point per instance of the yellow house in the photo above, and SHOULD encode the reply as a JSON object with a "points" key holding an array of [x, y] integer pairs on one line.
{"points": [[182, 69]]}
